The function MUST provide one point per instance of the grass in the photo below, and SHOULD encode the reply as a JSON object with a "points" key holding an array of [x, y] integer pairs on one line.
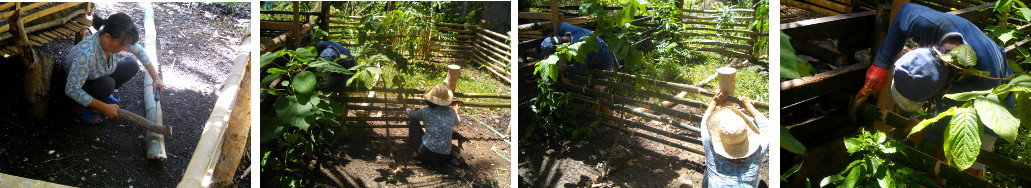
{"points": [[472, 80]]}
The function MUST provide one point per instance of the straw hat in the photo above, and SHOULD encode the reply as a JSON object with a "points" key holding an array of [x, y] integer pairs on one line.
{"points": [[439, 95], [733, 135]]}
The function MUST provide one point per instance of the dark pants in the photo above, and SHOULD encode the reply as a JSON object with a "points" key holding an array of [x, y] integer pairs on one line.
{"points": [[415, 142], [102, 87]]}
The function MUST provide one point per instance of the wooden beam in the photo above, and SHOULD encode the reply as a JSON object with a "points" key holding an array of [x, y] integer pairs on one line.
{"points": [[278, 25], [855, 24], [847, 78]]}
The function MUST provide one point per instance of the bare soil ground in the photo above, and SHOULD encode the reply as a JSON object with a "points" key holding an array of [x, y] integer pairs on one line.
{"points": [[197, 44], [601, 161]]}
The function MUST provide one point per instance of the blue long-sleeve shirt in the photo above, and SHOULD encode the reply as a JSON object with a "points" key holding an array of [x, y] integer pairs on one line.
{"points": [[600, 59], [439, 123], [928, 27], [86, 61]]}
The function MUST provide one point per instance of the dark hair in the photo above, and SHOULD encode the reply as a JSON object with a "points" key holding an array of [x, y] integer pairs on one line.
{"points": [[431, 104], [119, 26]]}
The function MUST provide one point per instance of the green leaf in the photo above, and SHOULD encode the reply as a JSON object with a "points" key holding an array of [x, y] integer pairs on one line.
{"points": [[276, 71], [330, 66], [268, 79], [1025, 12], [1023, 108], [267, 58], [792, 170], [924, 123], [854, 145], [832, 179], [1004, 35], [304, 53], [293, 112], [966, 96], [804, 68], [964, 55], [963, 138], [1002, 5], [271, 128], [886, 180], [788, 142], [304, 84], [994, 115], [1020, 83], [854, 175]]}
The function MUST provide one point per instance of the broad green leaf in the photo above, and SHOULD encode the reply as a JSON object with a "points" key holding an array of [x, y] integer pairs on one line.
{"points": [[1020, 83], [963, 138], [1004, 35], [832, 179], [293, 112], [788, 142], [268, 79], [276, 71], [267, 58], [304, 83], [886, 180], [966, 96], [792, 170], [964, 55], [924, 123], [271, 128], [891, 146], [854, 175], [1025, 12], [854, 145], [304, 53], [994, 115], [330, 66], [1023, 108], [1002, 5]]}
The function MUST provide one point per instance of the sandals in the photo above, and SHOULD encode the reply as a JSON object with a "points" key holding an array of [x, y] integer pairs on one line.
{"points": [[111, 99], [86, 116]]}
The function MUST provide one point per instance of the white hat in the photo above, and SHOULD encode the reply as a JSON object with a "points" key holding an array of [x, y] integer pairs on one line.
{"points": [[733, 135], [439, 95]]}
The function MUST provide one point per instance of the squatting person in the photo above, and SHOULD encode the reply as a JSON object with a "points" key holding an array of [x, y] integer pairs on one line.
{"points": [[430, 140]]}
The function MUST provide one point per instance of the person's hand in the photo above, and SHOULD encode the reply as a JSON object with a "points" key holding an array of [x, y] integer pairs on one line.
{"points": [[875, 78], [719, 98], [109, 110], [456, 105], [744, 101], [159, 85]]}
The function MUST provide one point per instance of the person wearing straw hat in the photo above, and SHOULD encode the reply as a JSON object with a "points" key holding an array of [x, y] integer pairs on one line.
{"points": [[734, 144], [919, 76], [431, 140]]}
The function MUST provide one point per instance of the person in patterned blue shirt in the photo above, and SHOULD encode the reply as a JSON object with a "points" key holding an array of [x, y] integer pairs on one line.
{"points": [[434, 143], [94, 74]]}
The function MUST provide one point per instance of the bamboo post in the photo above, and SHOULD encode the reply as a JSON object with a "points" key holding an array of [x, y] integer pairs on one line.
{"points": [[297, 25], [155, 143], [556, 16], [726, 80], [453, 73], [234, 144]]}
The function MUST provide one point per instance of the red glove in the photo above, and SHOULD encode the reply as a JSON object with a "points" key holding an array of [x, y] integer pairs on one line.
{"points": [[875, 78]]}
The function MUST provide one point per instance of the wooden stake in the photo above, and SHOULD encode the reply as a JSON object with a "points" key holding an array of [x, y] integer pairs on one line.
{"points": [[37, 69], [453, 73], [726, 80]]}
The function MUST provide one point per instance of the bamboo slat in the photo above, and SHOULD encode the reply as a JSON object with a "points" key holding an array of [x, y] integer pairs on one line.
{"points": [[42, 13]]}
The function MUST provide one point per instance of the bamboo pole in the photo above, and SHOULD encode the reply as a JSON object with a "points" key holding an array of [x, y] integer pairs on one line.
{"points": [[492, 33], [710, 18], [714, 24], [415, 101], [620, 99], [802, 5], [503, 137], [720, 30], [200, 170], [639, 113], [641, 92], [49, 24], [155, 143], [718, 35], [234, 144], [671, 85], [725, 52], [491, 41], [41, 13], [737, 10], [722, 44], [15, 181]]}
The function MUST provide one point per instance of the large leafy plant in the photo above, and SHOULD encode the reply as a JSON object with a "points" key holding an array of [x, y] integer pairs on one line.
{"points": [[555, 111], [963, 133], [305, 118], [870, 170]]}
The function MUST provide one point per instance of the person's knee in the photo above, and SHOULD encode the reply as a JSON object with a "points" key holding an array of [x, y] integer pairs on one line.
{"points": [[100, 87]]}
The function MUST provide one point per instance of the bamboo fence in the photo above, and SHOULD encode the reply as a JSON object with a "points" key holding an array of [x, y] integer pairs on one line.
{"points": [[44, 23]]}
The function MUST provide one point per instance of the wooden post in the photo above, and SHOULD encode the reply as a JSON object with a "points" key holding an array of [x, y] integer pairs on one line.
{"points": [[556, 16], [895, 6], [726, 80], [453, 73], [297, 25], [37, 69]]}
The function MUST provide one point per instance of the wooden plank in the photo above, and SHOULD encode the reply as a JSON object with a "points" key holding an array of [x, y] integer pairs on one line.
{"points": [[42, 13], [810, 7], [845, 25], [278, 25], [796, 90]]}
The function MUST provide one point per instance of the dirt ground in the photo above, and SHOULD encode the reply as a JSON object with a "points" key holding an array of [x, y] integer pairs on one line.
{"points": [[197, 44], [381, 158], [600, 161]]}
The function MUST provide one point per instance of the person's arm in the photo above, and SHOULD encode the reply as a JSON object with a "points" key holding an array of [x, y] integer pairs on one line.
{"points": [[141, 54], [77, 75]]}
